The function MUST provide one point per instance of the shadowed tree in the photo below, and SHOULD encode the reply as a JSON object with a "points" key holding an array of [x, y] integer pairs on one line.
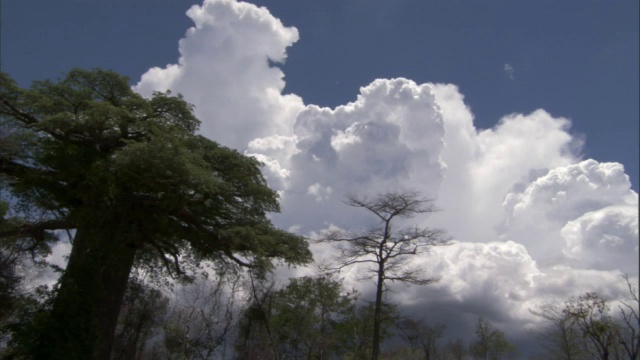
{"points": [[356, 329], [137, 184], [561, 338], [585, 327], [310, 318], [255, 338], [455, 350], [202, 316], [589, 312], [607, 336], [385, 249], [491, 344], [9, 279], [309, 315], [422, 336], [629, 333], [141, 316]]}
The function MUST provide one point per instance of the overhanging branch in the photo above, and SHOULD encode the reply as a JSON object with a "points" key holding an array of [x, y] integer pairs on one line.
{"points": [[36, 230]]}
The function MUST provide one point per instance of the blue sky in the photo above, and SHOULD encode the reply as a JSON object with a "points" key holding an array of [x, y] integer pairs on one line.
{"points": [[576, 59], [468, 102]]}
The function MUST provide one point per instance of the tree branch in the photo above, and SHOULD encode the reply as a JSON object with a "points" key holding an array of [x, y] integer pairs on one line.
{"points": [[36, 230]]}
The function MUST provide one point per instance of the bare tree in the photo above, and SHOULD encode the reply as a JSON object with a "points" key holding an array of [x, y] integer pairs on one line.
{"points": [[256, 340], [385, 249], [629, 334], [585, 327], [141, 316], [423, 336], [202, 317]]}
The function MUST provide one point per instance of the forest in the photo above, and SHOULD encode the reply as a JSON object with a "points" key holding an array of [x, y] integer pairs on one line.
{"points": [[172, 252]]}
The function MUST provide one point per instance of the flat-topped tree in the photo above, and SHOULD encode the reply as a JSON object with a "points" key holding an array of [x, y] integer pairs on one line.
{"points": [[136, 183], [384, 249]]}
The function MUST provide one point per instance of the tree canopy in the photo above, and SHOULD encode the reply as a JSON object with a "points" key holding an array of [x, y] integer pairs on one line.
{"points": [[133, 182]]}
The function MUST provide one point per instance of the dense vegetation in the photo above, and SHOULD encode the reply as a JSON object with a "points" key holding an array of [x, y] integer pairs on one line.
{"points": [[132, 184]]}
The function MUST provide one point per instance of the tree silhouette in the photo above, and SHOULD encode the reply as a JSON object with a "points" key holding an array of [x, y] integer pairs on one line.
{"points": [[137, 185], [385, 249]]}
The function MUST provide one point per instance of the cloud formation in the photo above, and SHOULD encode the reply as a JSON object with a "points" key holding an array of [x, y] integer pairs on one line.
{"points": [[529, 217], [240, 97]]}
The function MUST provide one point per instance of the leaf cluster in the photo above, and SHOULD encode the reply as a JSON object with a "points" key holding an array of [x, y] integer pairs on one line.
{"points": [[87, 147]]}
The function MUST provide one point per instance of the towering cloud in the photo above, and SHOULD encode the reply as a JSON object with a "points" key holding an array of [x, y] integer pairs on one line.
{"points": [[225, 70], [530, 219]]}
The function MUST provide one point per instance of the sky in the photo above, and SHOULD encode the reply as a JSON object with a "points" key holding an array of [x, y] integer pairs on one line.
{"points": [[519, 118]]}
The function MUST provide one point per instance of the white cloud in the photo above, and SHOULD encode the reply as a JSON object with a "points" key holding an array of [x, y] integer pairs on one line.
{"points": [[224, 70], [532, 220], [606, 239], [509, 71], [537, 214]]}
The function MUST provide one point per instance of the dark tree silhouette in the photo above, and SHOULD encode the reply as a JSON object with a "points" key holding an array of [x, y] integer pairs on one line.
{"points": [[386, 249], [137, 184]]}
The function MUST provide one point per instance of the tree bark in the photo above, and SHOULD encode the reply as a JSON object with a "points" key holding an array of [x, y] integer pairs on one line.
{"points": [[83, 319], [377, 314]]}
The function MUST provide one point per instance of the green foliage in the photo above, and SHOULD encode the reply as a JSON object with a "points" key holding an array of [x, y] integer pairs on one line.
{"points": [[29, 314], [358, 342], [585, 327], [561, 339], [94, 141], [307, 315], [590, 314], [311, 318], [138, 185]]}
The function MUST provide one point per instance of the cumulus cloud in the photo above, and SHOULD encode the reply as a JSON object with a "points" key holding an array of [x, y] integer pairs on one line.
{"points": [[225, 69], [605, 239], [390, 137], [530, 218], [545, 216]]}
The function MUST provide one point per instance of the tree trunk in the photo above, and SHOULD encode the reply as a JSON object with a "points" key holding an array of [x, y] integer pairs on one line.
{"points": [[85, 312], [377, 314]]}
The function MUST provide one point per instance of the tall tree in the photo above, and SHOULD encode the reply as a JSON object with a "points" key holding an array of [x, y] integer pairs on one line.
{"points": [[385, 249], [136, 183]]}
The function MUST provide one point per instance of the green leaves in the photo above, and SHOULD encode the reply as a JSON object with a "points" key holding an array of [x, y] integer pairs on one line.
{"points": [[94, 141], [138, 185], [311, 318]]}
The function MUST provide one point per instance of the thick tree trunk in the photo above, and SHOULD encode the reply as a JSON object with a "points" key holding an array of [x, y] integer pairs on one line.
{"points": [[85, 312]]}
